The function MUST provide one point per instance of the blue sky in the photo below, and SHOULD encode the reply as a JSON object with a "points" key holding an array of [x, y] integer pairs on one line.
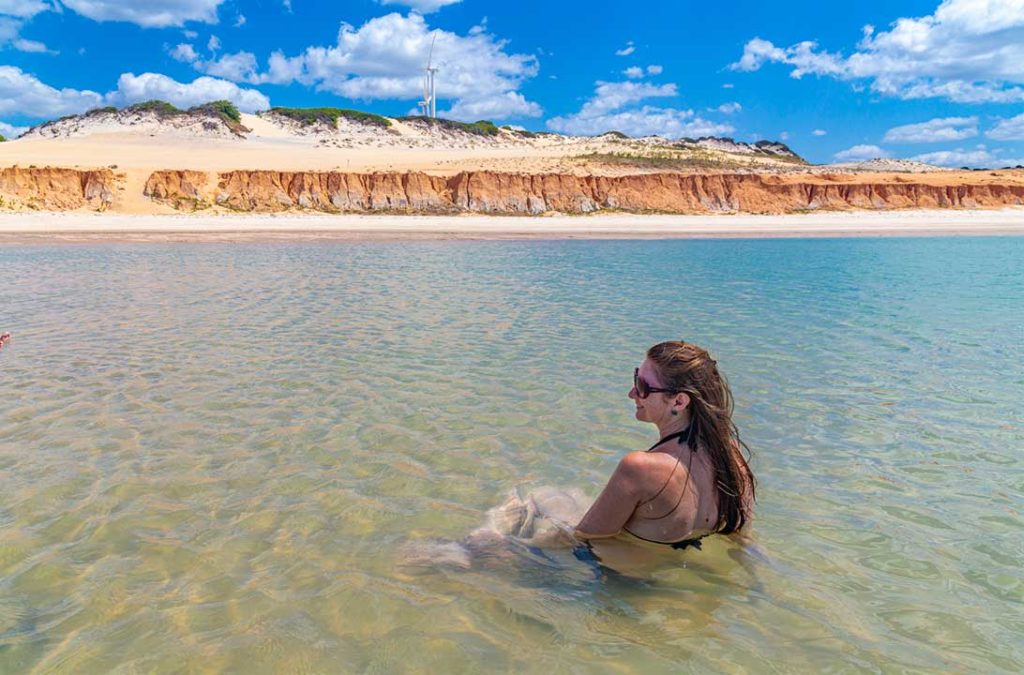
{"points": [[941, 81]]}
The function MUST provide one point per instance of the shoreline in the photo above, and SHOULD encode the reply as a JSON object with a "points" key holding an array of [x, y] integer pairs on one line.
{"points": [[19, 228]]}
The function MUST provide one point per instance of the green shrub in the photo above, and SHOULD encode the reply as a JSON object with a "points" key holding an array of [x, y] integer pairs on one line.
{"points": [[616, 134], [161, 108], [226, 110], [308, 116], [2, 139], [479, 128], [101, 111]]}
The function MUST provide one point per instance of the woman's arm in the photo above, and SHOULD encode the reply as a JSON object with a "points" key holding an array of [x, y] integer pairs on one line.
{"points": [[618, 500]]}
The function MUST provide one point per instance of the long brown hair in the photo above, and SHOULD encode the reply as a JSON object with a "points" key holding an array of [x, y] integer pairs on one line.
{"points": [[686, 368]]}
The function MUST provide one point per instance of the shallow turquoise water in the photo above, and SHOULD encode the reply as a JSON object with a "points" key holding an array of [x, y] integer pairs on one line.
{"points": [[211, 456]]}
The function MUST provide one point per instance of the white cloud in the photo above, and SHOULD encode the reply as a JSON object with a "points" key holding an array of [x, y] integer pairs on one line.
{"points": [[421, 6], [968, 51], [861, 152], [499, 106], [238, 67], [190, 34], [1011, 129], [185, 53], [941, 129], [240, 21], [213, 44], [728, 85], [133, 88], [10, 27], [819, 132], [960, 157], [784, 135], [633, 72], [644, 121], [627, 50], [654, 69], [605, 112], [23, 9], [9, 131], [23, 94], [148, 14], [730, 108], [384, 59], [610, 96], [23, 45]]}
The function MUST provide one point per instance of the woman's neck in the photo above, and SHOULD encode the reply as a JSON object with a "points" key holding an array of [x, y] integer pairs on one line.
{"points": [[674, 425]]}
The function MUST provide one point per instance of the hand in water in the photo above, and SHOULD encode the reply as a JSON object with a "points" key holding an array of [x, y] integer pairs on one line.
{"points": [[4, 337]]}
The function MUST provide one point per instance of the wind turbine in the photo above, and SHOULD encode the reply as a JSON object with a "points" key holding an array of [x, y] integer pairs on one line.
{"points": [[429, 102]]}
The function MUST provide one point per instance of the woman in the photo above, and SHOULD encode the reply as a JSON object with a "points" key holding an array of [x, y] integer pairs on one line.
{"points": [[694, 481]]}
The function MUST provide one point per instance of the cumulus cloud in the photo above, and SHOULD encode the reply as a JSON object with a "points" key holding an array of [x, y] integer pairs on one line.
{"points": [[23, 45], [968, 51], [654, 69], [633, 72], [148, 14], [10, 27], [384, 59], [133, 88], [237, 67], [819, 132], [509, 104], [1011, 129], [730, 108], [934, 131], [609, 110], [10, 131], [23, 94], [421, 6], [185, 53], [960, 157], [23, 9], [240, 21], [861, 152], [627, 50]]}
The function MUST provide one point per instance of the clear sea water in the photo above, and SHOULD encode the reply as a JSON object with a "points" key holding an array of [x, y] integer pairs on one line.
{"points": [[212, 455]]}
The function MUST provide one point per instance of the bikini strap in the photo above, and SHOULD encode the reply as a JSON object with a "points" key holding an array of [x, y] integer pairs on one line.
{"points": [[683, 436]]}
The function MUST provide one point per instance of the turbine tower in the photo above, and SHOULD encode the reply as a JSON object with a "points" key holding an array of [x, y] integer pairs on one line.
{"points": [[429, 102]]}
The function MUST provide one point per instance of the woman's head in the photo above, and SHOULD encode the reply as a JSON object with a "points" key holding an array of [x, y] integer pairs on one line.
{"points": [[692, 386]]}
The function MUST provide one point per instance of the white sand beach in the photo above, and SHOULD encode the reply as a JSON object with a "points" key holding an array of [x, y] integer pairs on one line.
{"points": [[83, 226]]}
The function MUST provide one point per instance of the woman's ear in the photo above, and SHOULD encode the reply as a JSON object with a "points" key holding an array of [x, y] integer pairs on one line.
{"points": [[682, 402]]}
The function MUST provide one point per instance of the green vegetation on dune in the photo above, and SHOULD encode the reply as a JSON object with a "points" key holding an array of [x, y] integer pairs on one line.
{"points": [[2, 139], [308, 116], [161, 108], [479, 128], [225, 110]]}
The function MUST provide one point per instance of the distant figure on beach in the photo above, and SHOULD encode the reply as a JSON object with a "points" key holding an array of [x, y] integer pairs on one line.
{"points": [[694, 481], [4, 337]]}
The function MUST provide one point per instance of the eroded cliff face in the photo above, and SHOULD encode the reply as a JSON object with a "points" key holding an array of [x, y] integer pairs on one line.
{"points": [[60, 189], [511, 193], [55, 189]]}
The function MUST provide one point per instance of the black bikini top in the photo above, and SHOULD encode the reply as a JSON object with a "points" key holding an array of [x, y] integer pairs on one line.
{"points": [[683, 436]]}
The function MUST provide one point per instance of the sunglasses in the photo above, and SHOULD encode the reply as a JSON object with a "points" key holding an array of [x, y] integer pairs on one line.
{"points": [[643, 390]]}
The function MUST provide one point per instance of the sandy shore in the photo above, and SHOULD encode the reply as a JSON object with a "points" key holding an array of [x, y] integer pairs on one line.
{"points": [[76, 226]]}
